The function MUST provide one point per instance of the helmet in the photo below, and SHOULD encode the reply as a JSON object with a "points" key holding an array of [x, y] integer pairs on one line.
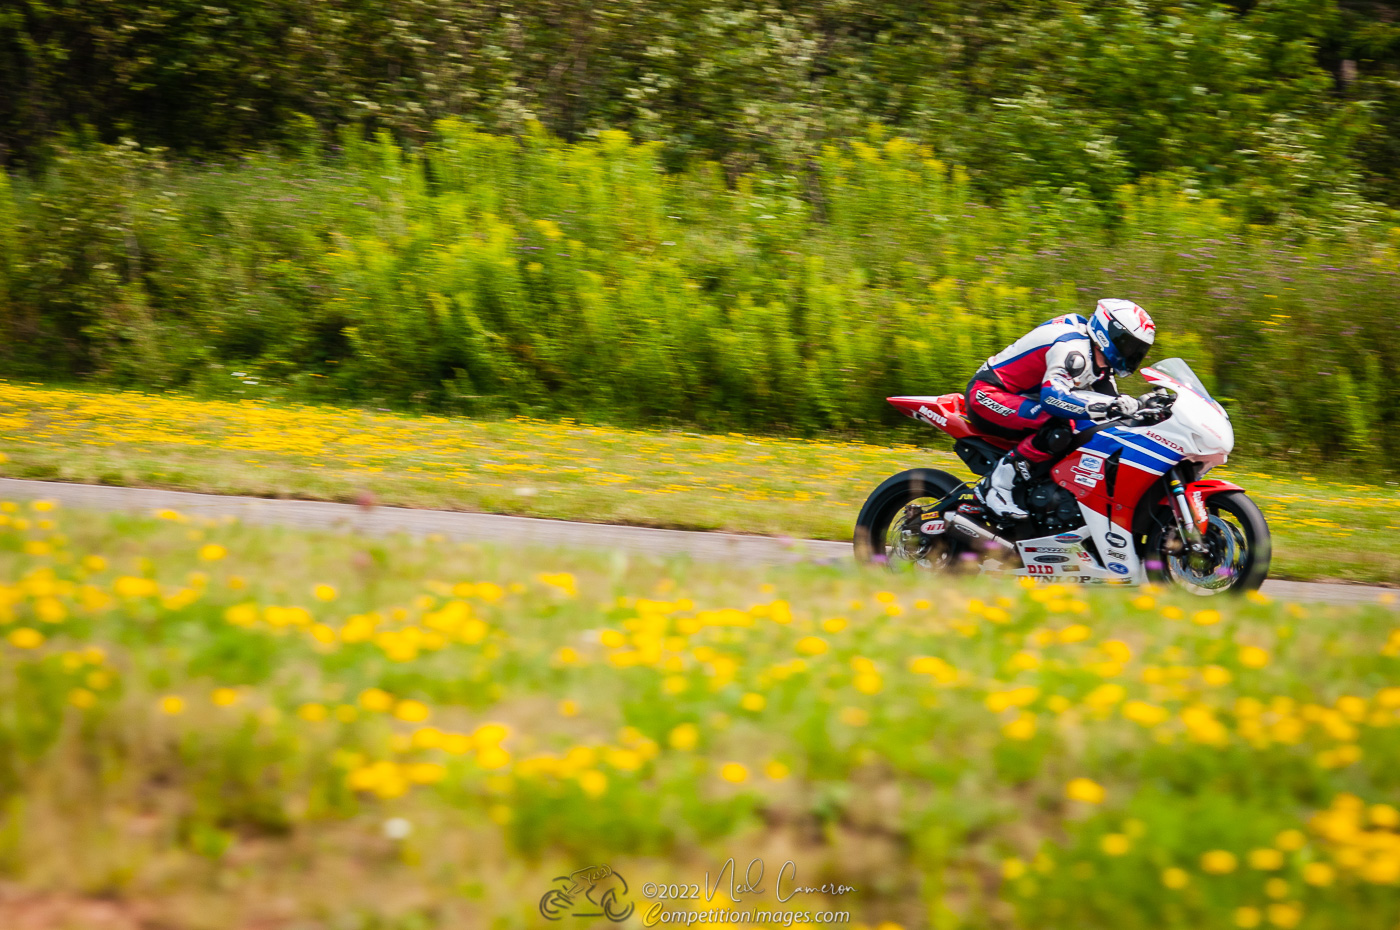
{"points": [[1124, 332]]}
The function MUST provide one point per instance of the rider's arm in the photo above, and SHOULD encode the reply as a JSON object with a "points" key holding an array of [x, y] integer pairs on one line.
{"points": [[1065, 363]]}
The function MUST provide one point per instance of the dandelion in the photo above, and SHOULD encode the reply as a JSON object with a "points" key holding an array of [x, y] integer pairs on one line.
{"points": [[568, 708], [1205, 617], [1265, 860], [81, 698], [212, 552], [1022, 728], [753, 701], [172, 704], [1290, 840], [1012, 868], [1319, 874], [26, 638], [1175, 878], [733, 772], [1253, 657], [776, 771], [313, 713], [1085, 790], [1115, 844], [376, 700], [224, 697], [1285, 915], [325, 592], [1219, 862], [1248, 917], [811, 645]]}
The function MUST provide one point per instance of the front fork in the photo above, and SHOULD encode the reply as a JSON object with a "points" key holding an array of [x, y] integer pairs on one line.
{"points": [[1191, 519]]}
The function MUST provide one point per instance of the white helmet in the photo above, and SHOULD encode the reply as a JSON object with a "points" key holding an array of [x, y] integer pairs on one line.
{"points": [[1124, 332]]}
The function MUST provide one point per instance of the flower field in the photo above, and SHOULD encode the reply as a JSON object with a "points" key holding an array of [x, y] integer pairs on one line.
{"points": [[258, 445], [236, 727]]}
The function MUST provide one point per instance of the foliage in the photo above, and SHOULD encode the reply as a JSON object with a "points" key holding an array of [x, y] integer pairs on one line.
{"points": [[486, 274], [1000, 757], [1083, 94]]}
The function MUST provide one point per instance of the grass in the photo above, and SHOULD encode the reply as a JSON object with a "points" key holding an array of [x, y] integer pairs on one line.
{"points": [[209, 725], [1323, 529]]}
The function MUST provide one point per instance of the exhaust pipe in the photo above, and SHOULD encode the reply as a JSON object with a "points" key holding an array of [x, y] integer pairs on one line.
{"points": [[967, 528]]}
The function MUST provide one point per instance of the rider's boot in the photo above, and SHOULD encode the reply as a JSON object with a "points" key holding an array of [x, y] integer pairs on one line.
{"points": [[994, 490]]}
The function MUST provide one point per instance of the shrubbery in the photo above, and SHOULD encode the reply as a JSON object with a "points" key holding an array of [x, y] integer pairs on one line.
{"points": [[485, 274]]}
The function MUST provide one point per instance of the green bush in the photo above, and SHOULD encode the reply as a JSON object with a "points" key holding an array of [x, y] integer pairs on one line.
{"points": [[483, 274]]}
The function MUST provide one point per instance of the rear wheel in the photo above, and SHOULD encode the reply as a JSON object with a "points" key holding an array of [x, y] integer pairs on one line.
{"points": [[1238, 541], [888, 528]]}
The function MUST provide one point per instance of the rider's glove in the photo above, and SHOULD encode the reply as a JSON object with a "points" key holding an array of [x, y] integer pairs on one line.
{"points": [[1127, 404], [1100, 410]]}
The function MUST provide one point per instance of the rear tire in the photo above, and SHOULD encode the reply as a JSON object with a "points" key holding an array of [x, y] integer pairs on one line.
{"points": [[887, 503], [1239, 538]]}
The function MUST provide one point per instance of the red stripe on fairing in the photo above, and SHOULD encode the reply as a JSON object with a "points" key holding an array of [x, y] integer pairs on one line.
{"points": [[1128, 485]]}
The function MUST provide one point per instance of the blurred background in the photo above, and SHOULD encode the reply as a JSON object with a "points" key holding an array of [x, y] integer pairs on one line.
{"points": [[727, 214]]}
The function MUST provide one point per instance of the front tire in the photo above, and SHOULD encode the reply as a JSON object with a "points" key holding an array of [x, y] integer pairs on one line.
{"points": [[1240, 543], [880, 536]]}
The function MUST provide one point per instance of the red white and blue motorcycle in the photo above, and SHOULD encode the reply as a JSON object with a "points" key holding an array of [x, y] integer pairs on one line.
{"points": [[1126, 502]]}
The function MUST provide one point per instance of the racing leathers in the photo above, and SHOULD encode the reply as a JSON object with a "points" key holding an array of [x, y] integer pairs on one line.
{"points": [[1050, 373]]}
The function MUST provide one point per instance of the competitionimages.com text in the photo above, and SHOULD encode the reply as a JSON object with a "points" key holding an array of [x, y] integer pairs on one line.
{"points": [[659, 915]]}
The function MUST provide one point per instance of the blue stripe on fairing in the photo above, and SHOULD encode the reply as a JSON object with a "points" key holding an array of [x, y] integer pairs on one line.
{"points": [[1137, 459], [1150, 446]]}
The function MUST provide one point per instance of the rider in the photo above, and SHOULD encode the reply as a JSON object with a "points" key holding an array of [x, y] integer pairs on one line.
{"points": [[1060, 371]]}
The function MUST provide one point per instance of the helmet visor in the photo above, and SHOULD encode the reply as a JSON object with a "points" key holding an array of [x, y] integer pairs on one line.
{"points": [[1131, 350]]}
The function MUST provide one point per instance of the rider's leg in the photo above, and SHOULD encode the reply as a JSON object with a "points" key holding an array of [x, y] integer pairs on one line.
{"points": [[1002, 413]]}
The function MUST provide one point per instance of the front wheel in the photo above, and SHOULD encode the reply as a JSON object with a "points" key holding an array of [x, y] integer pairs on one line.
{"points": [[888, 530], [1238, 541]]}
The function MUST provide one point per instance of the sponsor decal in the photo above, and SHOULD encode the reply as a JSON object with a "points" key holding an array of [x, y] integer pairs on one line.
{"points": [[1064, 404], [993, 405], [1040, 569], [965, 530], [1047, 549], [1052, 558], [933, 416], [1115, 539], [1088, 471], [1158, 437], [1120, 556], [974, 509], [1118, 568], [1069, 537], [933, 527]]}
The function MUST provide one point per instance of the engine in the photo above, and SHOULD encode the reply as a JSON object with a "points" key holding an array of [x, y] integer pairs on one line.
{"points": [[1052, 507]]}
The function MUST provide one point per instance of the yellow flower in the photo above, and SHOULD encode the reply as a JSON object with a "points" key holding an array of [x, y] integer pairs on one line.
{"points": [[1175, 878], [753, 701], [1022, 728], [811, 645], [1285, 915], [834, 624], [132, 586], [1254, 657], [492, 757], [1144, 714], [81, 697], [1012, 868], [1248, 917], [1205, 617], [26, 638], [172, 704], [212, 552], [1290, 840], [568, 708], [224, 697], [490, 734], [733, 772], [776, 770], [94, 563], [675, 684], [312, 712], [868, 683], [1276, 888], [1265, 860], [593, 782], [325, 592], [1319, 874], [1219, 862], [1216, 676], [375, 699], [684, 737], [1115, 844], [1085, 790]]}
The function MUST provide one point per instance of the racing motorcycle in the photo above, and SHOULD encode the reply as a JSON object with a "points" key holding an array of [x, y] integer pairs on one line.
{"points": [[1125, 501]]}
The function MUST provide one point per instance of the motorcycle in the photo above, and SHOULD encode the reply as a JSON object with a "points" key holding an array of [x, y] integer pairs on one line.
{"points": [[1126, 500]]}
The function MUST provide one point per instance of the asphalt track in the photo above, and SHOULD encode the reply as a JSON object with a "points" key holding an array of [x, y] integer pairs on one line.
{"points": [[527, 531]]}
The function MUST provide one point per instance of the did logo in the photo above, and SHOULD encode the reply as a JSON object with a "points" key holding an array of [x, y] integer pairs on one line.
{"points": [[596, 891]]}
